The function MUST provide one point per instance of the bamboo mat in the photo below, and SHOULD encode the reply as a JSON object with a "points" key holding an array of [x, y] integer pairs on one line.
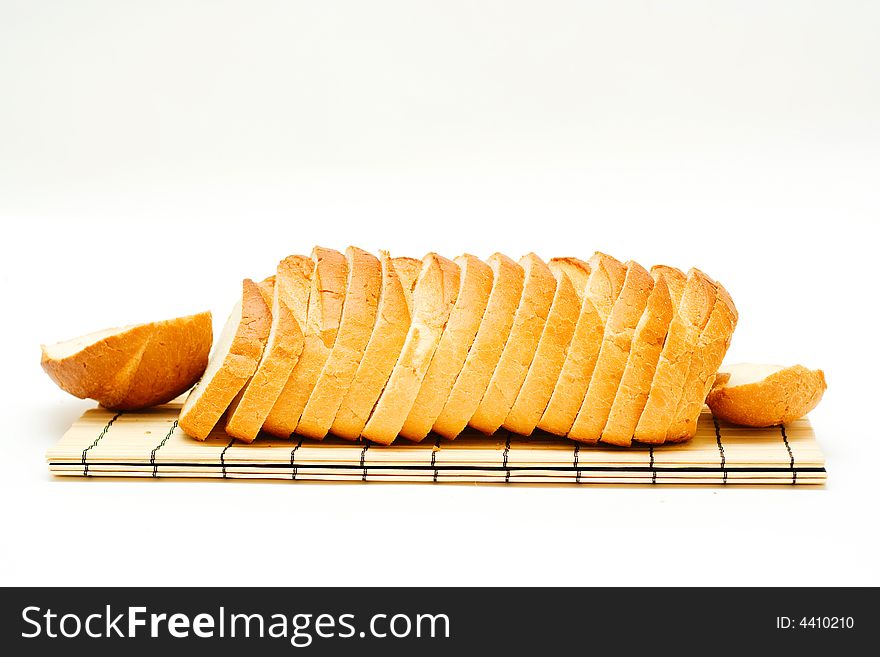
{"points": [[150, 444]]}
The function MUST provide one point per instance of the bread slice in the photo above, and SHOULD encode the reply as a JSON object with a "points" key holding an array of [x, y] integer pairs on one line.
{"points": [[765, 395], [607, 276], [577, 270], [688, 322], [519, 351], [355, 329], [433, 299], [635, 384], [613, 355], [710, 351], [456, 341], [571, 385], [549, 358], [326, 297], [135, 366], [482, 358], [380, 354], [604, 282], [675, 282], [408, 272], [289, 304], [233, 362]]}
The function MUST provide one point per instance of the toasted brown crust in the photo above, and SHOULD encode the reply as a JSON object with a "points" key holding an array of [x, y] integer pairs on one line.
{"points": [[408, 272], [380, 355], [519, 351], [688, 321], [289, 302], [138, 366], [613, 355], [782, 397], [231, 365], [485, 352], [675, 282], [549, 358], [604, 284], [358, 319], [578, 272], [635, 384], [607, 276], [456, 341], [267, 289], [433, 299], [707, 357], [326, 297]]}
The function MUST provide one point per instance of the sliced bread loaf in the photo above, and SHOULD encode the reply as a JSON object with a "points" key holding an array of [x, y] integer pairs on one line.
{"points": [[635, 384], [603, 285], [358, 320], [706, 359], [380, 355], [519, 351], [549, 358], [485, 352], [135, 366], [433, 299], [326, 296], [613, 355], [232, 363], [289, 305], [456, 341], [688, 322]]}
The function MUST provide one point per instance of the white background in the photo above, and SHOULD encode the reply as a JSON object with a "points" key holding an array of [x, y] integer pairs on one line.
{"points": [[154, 153]]}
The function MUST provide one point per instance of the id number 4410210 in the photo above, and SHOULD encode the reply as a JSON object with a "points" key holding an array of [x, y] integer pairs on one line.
{"points": [[815, 623]]}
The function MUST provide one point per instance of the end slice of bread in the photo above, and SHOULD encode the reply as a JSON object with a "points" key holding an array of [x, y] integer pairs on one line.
{"points": [[433, 299], [326, 297], [485, 352], [519, 351], [456, 341], [613, 355], [635, 384], [765, 395], [533, 397], [283, 347], [380, 355], [132, 367], [358, 319], [233, 362]]}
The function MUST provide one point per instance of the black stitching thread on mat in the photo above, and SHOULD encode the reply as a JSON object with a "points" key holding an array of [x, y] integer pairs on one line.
{"points": [[504, 462], [577, 473], [434, 458], [97, 440], [293, 458], [451, 468], [790, 454], [223, 457], [653, 469], [720, 447], [160, 446], [363, 456]]}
